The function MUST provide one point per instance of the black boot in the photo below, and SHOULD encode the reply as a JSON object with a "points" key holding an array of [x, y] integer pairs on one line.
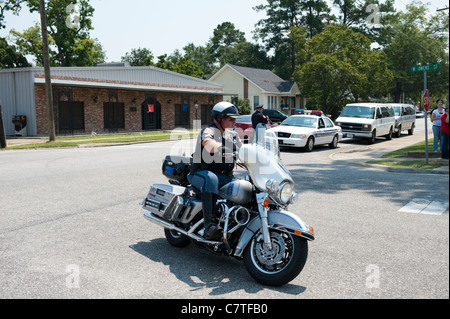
{"points": [[212, 232]]}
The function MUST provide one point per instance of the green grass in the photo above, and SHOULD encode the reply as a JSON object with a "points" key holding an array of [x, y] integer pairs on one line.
{"points": [[419, 147], [413, 163], [115, 136], [42, 145], [76, 141]]}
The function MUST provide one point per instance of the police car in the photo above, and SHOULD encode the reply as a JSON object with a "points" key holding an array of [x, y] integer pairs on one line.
{"points": [[307, 131]]}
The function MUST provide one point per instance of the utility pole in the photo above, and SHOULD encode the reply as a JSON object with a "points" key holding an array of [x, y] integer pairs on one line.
{"points": [[2, 131], [48, 84]]}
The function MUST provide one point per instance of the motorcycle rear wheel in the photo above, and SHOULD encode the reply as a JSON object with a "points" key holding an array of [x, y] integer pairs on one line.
{"points": [[280, 265], [176, 239]]}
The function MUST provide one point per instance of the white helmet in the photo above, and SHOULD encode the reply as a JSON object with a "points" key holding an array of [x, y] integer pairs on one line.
{"points": [[224, 109]]}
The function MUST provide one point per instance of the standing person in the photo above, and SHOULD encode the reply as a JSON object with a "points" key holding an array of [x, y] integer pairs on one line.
{"points": [[445, 133], [436, 120], [259, 120], [259, 117]]}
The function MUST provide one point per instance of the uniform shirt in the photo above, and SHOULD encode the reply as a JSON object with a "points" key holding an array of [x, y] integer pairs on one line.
{"points": [[257, 118], [215, 162]]}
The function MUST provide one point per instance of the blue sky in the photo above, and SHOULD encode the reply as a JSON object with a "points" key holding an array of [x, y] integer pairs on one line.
{"points": [[163, 26]]}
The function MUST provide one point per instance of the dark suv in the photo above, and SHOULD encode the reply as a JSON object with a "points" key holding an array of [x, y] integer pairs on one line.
{"points": [[275, 115]]}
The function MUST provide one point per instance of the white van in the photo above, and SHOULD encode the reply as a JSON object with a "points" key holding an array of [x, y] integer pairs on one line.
{"points": [[405, 118], [367, 120]]}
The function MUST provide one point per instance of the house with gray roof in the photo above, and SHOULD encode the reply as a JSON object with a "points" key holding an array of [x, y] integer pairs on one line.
{"points": [[260, 87]]}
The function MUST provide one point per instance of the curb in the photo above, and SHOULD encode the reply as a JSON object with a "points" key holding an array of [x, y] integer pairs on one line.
{"points": [[397, 169], [406, 170], [92, 145]]}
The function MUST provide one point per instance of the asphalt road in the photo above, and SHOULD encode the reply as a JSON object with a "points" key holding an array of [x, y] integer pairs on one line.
{"points": [[71, 227]]}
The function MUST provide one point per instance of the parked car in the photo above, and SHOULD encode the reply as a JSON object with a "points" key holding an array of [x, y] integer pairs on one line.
{"points": [[244, 127], [275, 115], [307, 131], [420, 114], [367, 120], [405, 118]]}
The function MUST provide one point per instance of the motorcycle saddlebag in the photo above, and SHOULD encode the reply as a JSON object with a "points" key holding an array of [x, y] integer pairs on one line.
{"points": [[177, 168], [163, 199]]}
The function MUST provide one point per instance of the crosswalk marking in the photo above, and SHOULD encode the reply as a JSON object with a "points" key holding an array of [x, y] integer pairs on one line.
{"points": [[424, 206]]}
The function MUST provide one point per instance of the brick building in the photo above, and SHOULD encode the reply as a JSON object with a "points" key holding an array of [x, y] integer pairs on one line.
{"points": [[106, 99]]}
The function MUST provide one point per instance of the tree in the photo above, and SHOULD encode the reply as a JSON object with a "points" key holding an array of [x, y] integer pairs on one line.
{"points": [[225, 35], [200, 55], [316, 16], [180, 65], [139, 57], [8, 5], [225, 38], [10, 57], [282, 15], [407, 44], [243, 106], [29, 42], [249, 55], [366, 16], [72, 42], [339, 66], [187, 67]]}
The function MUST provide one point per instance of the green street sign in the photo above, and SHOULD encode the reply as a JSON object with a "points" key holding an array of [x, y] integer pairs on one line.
{"points": [[429, 67]]}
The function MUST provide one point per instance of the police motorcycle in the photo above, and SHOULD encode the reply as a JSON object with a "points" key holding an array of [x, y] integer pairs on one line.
{"points": [[253, 213]]}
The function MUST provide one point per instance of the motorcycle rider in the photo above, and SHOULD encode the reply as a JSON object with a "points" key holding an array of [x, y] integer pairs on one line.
{"points": [[211, 169]]}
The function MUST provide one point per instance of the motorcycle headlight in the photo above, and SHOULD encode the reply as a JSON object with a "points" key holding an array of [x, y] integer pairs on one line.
{"points": [[285, 193]]}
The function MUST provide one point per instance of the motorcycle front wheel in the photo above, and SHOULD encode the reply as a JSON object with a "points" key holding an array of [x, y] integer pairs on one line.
{"points": [[280, 265]]}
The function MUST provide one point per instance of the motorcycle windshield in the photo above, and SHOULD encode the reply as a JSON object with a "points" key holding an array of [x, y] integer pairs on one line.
{"points": [[267, 138], [262, 159]]}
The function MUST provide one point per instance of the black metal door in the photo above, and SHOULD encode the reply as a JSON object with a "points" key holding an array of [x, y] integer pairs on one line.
{"points": [[70, 116], [151, 114], [114, 116]]}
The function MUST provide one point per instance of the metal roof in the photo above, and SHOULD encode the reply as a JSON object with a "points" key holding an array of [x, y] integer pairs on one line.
{"points": [[133, 78]]}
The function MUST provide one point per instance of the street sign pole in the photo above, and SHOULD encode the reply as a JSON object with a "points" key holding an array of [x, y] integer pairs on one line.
{"points": [[424, 69], [426, 117]]}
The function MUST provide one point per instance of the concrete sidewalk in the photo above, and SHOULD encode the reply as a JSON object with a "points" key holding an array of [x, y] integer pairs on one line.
{"points": [[12, 141], [364, 153]]}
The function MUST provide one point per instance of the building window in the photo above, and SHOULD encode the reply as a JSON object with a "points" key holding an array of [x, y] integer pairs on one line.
{"points": [[272, 102], [114, 115], [255, 101]]}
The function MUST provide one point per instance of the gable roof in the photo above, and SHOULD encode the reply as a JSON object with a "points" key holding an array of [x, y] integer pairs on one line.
{"points": [[266, 80]]}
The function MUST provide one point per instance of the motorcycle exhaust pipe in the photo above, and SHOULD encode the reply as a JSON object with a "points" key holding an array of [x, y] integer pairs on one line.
{"points": [[151, 217]]}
